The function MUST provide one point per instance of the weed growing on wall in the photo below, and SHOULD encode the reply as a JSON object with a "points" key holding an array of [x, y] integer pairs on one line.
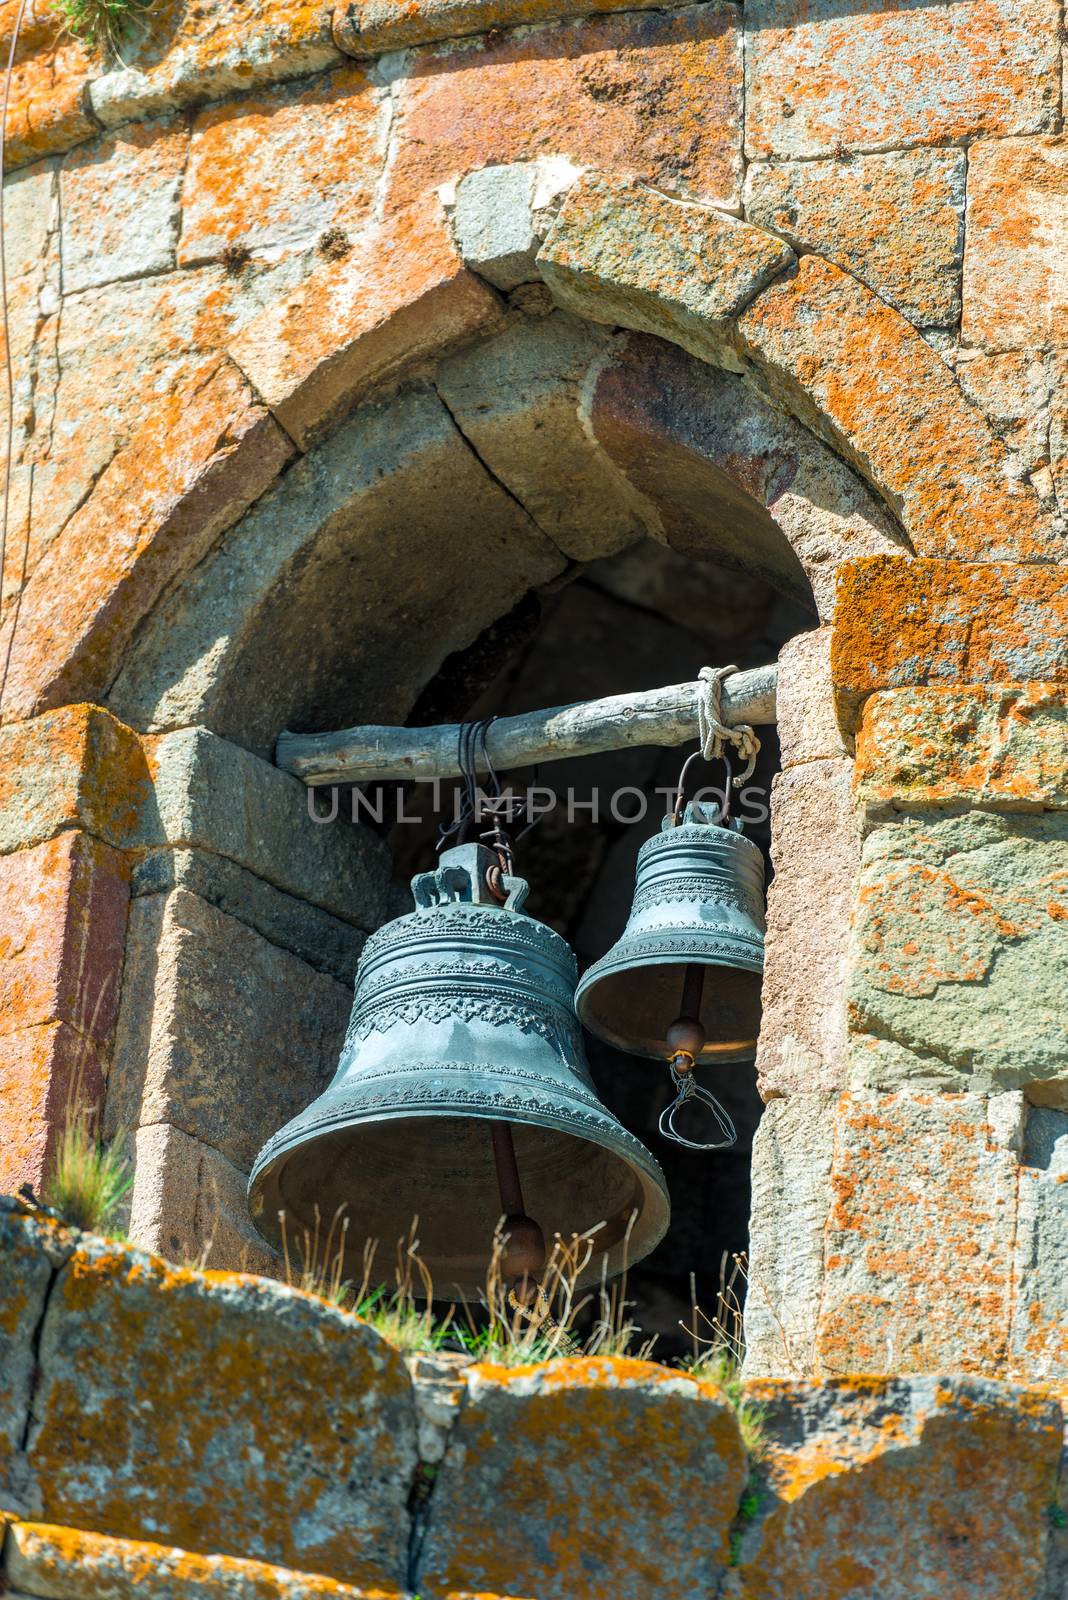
{"points": [[106, 25], [88, 1180]]}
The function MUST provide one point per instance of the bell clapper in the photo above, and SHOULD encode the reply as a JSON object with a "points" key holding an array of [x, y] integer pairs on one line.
{"points": [[685, 1041], [524, 1243]]}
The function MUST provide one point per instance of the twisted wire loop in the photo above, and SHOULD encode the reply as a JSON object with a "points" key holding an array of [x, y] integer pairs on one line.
{"points": [[544, 1322], [686, 1090], [713, 731]]}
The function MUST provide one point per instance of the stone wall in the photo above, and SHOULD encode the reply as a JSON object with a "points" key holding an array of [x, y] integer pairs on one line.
{"points": [[168, 1433], [302, 297]]}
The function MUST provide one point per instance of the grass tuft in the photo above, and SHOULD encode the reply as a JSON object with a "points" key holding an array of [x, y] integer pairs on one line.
{"points": [[107, 25], [87, 1180]]}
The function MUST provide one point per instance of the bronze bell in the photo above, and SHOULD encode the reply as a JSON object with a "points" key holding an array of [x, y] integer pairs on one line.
{"points": [[683, 982], [463, 1092]]}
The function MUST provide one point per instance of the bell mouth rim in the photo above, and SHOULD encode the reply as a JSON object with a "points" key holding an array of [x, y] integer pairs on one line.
{"points": [[611, 964]]}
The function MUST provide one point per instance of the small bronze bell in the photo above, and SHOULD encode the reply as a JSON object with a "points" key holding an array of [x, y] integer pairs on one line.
{"points": [[463, 1077], [683, 980]]}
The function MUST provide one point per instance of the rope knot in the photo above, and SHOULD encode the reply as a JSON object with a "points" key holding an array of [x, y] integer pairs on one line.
{"points": [[714, 733]]}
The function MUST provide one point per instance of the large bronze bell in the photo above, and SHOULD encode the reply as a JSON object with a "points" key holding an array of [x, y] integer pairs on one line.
{"points": [[683, 981], [463, 1031]]}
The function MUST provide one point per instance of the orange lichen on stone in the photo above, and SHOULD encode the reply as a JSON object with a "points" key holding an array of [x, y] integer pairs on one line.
{"points": [[366, 27], [44, 1071], [77, 766], [47, 110], [1004, 746], [401, 294], [58, 1561], [274, 170], [900, 623], [657, 96], [1015, 285], [206, 452], [853, 368]]}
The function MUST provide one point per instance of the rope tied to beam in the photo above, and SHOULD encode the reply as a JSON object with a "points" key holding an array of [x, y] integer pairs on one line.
{"points": [[713, 731]]}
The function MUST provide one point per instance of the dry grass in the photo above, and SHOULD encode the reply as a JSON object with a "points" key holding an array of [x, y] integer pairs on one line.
{"points": [[88, 1180], [315, 1261]]}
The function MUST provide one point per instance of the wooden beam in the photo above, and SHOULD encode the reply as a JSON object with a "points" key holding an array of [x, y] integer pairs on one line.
{"points": [[623, 721]]}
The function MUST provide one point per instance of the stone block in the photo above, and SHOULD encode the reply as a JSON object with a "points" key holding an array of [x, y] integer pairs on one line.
{"points": [[186, 57], [208, 450], [1014, 389], [1001, 747], [521, 400], [859, 374], [919, 1265], [121, 199], [493, 223], [565, 1436], [792, 1155], [804, 701], [323, 941], [367, 27], [622, 254], [1039, 1334], [652, 95], [212, 795], [31, 217], [895, 221], [816, 852], [293, 1403], [47, 110], [1058, 428], [308, 598], [221, 1035], [819, 76], [902, 1487], [905, 623], [1015, 294], [274, 171], [957, 979], [75, 767], [44, 1071], [188, 1204], [69, 1564], [30, 1251], [62, 926], [402, 294]]}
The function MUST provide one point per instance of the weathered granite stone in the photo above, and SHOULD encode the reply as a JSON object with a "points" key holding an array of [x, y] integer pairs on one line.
{"points": [[653, 95], [905, 1488], [1015, 389], [30, 1251], [367, 27], [31, 216], [188, 1204], [440, 1390], [804, 701], [564, 1437], [187, 56], [895, 221], [816, 852], [920, 1251], [621, 253], [819, 77], [792, 1154], [44, 1070], [221, 1035], [68, 1564], [402, 294], [1002, 747], [1039, 1334], [213, 795], [493, 223], [292, 1404], [344, 558], [276, 170], [323, 941], [855, 371], [520, 399], [957, 980], [899, 623], [1015, 294], [47, 110], [1058, 429], [121, 205]]}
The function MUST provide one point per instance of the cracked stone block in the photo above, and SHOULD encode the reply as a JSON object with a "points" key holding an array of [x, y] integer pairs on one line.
{"points": [[816, 851], [521, 400], [1014, 389], [494, 224], [221, 1035], [1039, 1339], [653, 95], [188, 1204], [957, 979], [1015, 295], [895, 221], [820, 76], [294, 1403], [920, 1241], [565, 1437], [121, 203], [276, 170], [620, 253], [440, 1388], [30, 1251], [903, 1487]]}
